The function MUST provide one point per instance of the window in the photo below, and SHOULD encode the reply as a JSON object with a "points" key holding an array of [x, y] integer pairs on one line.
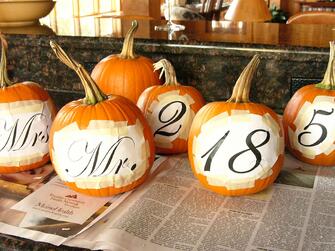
{"points": [[81, 17]]}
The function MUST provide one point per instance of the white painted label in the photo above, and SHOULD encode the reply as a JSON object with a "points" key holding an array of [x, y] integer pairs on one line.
{"points": [[105, 154], [24, 132], [170, 117], [315, 128], [234, 151]]}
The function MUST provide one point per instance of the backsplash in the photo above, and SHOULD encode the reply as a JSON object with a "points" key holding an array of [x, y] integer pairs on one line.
{"points": [[212, 68]]}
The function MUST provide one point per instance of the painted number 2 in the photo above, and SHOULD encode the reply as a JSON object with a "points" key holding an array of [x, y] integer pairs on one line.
{"points": [[251, 147], [311, 123], [178, 114]]}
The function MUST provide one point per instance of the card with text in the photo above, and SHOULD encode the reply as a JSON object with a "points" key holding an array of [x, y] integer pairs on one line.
{"points": [[58, 202]]}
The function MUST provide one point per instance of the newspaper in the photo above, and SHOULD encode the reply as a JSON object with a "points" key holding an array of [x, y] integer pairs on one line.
{"points": [[31, 225], [172, 211], [44, 219]]}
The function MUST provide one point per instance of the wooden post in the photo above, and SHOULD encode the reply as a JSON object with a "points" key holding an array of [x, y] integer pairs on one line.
{"points": [[146, 8], [290, 6]]}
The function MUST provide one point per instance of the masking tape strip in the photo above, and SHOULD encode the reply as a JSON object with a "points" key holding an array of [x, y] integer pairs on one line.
{"points": [[18, 107], [330, 150], [165, 95], [239, 112], [275, 128], [300, 119], [322, 98], [20, 161], [215, 122], [303, 118]]}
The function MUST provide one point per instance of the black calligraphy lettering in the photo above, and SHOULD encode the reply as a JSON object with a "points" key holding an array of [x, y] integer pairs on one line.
{"points": [[179, 113], [99, 163], [18, 138], [311, 123], [213, 151], [253, 149]]}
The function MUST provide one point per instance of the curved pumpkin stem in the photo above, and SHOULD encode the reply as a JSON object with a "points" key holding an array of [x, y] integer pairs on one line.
{"points": [[128, 44], [4, 80], [92, 91], [241, 89], [168, 70], [328, 81]]}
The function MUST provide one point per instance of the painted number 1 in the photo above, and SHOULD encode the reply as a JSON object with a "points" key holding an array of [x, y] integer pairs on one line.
{"points": [[251, 147], [311, 123]]}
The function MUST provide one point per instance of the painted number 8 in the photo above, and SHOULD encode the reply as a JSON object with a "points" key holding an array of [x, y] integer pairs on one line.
{"points": [[251, 147]]}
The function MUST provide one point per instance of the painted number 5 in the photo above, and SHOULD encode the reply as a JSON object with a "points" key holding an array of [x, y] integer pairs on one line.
{"points": [[311, 123]]}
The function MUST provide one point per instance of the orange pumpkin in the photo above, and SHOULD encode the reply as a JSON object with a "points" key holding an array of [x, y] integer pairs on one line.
{"points": [[100, 145], [125, 74], [309, 120], [26, 114], [170, 109], [236, 147]]}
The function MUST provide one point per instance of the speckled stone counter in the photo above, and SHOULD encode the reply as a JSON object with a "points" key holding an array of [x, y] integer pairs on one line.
{"points": [[10, 243], [207, 56]]}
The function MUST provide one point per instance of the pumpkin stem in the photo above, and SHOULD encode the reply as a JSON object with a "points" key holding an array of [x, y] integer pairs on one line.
{"points": [[242, 87], [328, 81], [128, 43], [4, 80], [93, 94], [168, 70]]}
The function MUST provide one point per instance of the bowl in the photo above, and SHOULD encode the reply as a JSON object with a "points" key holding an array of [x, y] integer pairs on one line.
{"points": [[23, 13], [26, 1], [35, 29]]}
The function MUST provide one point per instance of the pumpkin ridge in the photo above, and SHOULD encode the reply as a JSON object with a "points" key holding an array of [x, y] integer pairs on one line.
{"points": [[69, 115], [147, 67], [140, 72], [104, 69], [125, 115], [105, 110], [124, 77]]}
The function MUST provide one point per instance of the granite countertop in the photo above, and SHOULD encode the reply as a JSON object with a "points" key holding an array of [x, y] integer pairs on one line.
{"points": [[12, 243], [207, 55]]}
